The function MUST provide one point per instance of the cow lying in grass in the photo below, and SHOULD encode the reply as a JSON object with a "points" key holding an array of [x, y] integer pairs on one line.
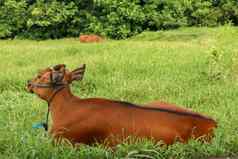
{"points": [[97, 120], [90, 38]]}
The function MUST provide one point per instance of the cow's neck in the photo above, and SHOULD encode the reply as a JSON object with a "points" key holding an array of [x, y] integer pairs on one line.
{"points": [[60, 104]]}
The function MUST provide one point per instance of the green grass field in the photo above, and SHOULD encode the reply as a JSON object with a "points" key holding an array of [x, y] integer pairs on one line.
{"points": [[193, 67]]}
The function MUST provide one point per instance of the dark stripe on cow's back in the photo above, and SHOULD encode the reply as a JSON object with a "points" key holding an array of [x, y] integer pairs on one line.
{"points": [[162, 110]]}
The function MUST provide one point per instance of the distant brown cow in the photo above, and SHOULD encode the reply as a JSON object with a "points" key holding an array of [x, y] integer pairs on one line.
{"points": [[93, 120], [90, 38]]}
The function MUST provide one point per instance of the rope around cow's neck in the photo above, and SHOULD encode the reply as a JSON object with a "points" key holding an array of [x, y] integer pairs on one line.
{"points": [[45, 125], [49, 100]]}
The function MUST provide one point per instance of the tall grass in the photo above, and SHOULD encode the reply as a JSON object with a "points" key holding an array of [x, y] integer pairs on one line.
{"points": [[192, 67]]}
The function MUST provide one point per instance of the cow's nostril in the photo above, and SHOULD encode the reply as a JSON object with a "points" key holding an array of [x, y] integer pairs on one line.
{"points": [[29, 86]]}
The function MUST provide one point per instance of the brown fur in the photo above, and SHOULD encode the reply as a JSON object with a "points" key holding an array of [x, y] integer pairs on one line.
{"points": [[90, 38], [96, 119]]}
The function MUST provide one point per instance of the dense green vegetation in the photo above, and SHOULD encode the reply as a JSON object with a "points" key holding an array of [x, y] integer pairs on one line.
{"points": [[117, 19], [194, 68]]}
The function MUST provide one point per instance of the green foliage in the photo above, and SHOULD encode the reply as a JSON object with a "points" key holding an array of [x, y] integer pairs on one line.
{"points": [[13, 16], [117, 19], [50, 20], [228, 11], [201, 13], [120, 18], [216, 68], [165, 14]]}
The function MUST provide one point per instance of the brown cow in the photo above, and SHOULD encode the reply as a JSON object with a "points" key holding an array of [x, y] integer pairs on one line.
{"points": [[164, 105], [90, 38], [96, 120]]}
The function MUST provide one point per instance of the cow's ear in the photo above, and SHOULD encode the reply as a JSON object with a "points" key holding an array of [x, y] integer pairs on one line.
{"points": [[78, 73]]}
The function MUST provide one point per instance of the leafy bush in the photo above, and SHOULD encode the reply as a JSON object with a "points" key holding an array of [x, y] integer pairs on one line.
{"points": [[50, 20], [216, 68], [164, 14], [201, 13], [228, 10], [12, 17], [118, 19]]}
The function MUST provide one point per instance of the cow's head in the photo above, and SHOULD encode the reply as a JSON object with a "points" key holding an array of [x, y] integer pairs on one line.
{"points": [[52, 79]]}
